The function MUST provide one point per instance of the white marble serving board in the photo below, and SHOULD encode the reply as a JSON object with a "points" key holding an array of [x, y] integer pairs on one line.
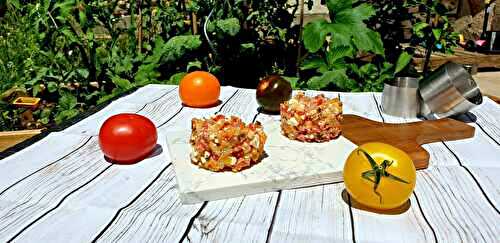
{"points": [[288, 164]]}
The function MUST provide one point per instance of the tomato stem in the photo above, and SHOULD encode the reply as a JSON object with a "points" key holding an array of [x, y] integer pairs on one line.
{"points": [[377, 172]]}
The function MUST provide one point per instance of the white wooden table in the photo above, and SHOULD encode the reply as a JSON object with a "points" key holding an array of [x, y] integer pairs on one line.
{"points": [[61, 189]]}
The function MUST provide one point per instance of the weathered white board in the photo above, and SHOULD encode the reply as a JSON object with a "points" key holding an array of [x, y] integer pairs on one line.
{"points": [[287, 164]]}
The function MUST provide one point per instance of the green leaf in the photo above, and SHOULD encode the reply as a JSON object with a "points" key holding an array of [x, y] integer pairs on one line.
{"points": [[82, 18], [396, 178], [313, 63], [386, 67], [147, 74], [122, 84], [65, 115], [52, 87], [338, 64], [364, 12], [368, 40], [70, 36], [403, 60], [106, 98], [92, 95], [178, 46], [372, 162], [229, 26], [437, 33], [355, 15], [317, 83], [83, 72], [335, 6], [247, 48], [65, 6], [341, 34], [338, 52], [176, 78], [67, 101], [418, 29], [194, 64], [337, 77], [36, 89], [368, 69], [46, 113], [44, 120], [124, 65], [353, 67], [315, 35], [294, 81]]}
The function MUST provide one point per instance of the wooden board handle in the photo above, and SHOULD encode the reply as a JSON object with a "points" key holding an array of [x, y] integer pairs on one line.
{"points": [[408, 136], [441, 130]]}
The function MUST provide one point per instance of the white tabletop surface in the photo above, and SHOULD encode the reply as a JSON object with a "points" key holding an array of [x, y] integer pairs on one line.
{"points": [[60, 189]]}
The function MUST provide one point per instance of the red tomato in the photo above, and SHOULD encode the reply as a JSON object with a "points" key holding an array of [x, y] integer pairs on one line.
{"points": [[127, 138]]}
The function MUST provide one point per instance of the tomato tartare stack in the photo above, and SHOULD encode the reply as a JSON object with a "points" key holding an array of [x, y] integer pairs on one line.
{"points": [[311, 119], [222, 143]]}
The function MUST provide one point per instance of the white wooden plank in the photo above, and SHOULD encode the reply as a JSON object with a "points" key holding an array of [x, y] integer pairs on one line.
{"points": [[148, 94], [409, 226], [156, 216], [478, 151], [161, 110], [315, 214], [455, 207], [488, 117], [489, 180], [90, 125], [361, 104], [37, 156], [36, 195], [238, 219], [100, 198], [164, 103]]}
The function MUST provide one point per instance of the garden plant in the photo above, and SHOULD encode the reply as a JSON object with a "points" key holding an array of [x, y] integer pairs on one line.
{"points": [[76, 55]]}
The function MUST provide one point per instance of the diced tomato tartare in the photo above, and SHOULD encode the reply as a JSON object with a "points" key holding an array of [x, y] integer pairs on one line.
{"points": [[224, 143], [315, 119]]}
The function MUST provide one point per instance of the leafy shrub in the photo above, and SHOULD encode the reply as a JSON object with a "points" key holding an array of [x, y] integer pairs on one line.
{"points": [[336, 47], [75, 54], [436, 26]]}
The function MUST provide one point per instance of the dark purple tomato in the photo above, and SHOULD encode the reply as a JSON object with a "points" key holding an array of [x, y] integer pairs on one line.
{"points": [[272, 91], [127, 138]]}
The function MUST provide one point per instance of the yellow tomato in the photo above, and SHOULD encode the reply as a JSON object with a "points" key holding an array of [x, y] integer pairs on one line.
{"points": [[392, 166]]}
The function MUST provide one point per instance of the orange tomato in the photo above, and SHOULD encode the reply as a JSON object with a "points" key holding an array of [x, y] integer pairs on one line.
{"points": [[199, 89]]}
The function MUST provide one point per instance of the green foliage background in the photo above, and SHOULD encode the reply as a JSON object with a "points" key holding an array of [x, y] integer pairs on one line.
{"points": [[77, 54]]}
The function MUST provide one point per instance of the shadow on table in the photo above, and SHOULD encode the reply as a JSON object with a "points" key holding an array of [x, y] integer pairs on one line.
{"points": [[157, 150], [353, 203], [219, 102], [467, 117], [266, 112]]}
